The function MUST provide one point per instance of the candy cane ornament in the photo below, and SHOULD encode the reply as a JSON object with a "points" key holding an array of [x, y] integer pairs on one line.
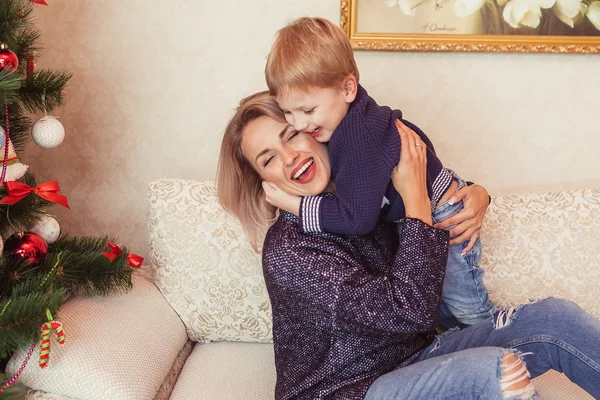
{"points": [[46, 329]]}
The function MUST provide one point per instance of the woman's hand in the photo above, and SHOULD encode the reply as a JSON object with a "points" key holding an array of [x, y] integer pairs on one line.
{"points": [[410, 175], [468, 222]]}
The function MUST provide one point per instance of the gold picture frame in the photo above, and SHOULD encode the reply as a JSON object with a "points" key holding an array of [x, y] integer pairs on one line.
{"points": [[450, 42]]}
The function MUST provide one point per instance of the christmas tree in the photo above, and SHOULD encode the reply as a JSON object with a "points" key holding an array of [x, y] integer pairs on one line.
{"points": [[39, 266]]}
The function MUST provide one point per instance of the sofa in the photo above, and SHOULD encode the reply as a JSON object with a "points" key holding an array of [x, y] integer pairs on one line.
{"points": [[197, 323]]}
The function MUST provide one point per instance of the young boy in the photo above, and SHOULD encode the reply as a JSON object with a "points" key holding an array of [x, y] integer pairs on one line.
{"points": [[313, 75]]}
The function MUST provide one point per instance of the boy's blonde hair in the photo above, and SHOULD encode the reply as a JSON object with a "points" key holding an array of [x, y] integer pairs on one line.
{"points": [[309, 52], [239, 186]]}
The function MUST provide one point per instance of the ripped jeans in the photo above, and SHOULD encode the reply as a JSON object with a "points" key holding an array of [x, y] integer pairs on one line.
{"points": [[465, 364]]}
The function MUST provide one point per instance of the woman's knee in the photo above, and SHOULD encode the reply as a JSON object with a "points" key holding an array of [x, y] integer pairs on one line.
{"points": [[515, 380], [554, 311]]}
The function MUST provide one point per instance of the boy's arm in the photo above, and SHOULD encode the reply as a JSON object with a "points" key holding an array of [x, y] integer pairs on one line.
{"points": [[361, 182]]}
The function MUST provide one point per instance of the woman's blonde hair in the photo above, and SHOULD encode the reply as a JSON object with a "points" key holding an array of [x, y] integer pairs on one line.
{"points": [[239, 186], [309, 52]]}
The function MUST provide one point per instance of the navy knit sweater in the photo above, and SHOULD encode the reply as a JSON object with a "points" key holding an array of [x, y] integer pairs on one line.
{"points": [[363, 150], [348, 309]]}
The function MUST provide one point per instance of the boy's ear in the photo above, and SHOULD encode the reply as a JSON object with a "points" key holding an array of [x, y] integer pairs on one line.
{"points": [[350, 88]]}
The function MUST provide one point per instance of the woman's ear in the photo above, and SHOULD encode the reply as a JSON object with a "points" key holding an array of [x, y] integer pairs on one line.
{"points": [[350, 88]]}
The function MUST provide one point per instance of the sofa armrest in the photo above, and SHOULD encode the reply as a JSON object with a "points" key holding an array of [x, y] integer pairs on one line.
{"points": [[120, 346]]}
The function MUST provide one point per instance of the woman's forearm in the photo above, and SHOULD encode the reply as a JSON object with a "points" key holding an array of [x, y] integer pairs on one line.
{"points": [[419, 209]]}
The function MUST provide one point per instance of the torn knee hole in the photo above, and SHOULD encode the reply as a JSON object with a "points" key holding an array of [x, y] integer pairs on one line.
{"points": [[515, 382], [505, 317]]}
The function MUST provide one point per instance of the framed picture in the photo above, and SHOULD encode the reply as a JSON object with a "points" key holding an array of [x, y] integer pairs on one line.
{"points": [[536, 26]]}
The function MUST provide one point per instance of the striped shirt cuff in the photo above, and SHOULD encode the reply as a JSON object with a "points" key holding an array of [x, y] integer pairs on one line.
{"points": [[309, 214], [440, 185]]}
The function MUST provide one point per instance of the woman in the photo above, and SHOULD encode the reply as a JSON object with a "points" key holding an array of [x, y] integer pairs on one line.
{"points": [[355, 317]]}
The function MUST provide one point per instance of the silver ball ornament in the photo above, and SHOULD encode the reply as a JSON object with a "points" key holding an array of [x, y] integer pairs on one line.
{"points": [[48, 228], [48, 132], [2, 139]]}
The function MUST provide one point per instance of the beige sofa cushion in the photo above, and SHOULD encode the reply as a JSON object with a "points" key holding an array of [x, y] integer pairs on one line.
{"points": [[228, 371], [556, 386], [204, 264], [233, 371], [118, 347], [544, 244]]}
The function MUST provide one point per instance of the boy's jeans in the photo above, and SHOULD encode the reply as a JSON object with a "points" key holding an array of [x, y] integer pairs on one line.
{"points": [[465, 364], [465, 299]]}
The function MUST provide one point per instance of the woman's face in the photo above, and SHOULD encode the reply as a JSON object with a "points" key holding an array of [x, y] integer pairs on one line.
{"points": [[294, 161]]}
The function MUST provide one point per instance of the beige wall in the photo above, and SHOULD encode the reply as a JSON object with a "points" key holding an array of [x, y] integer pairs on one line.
{"points": [[156, 81]]}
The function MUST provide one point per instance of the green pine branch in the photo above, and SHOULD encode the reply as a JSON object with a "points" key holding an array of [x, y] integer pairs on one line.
{"points": [[23, 313], [24, 45], [10, 84], [42, 91], [76, 264], [15, 16], [86, 270], [20, 126]]}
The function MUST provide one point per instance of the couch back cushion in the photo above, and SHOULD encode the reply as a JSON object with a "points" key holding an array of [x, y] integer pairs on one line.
{"points": [[544, 244], [204, 265]]}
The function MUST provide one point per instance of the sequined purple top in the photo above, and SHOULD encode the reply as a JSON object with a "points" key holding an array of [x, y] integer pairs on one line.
{"points": [[348, 309]]}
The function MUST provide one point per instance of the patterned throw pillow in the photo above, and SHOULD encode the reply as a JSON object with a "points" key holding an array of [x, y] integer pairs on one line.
{"points": [[537, 245], [205, 266]]}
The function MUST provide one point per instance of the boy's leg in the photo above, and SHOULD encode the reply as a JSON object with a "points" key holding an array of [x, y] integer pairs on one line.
{"points": [[550, 334], [464, 294], [479, 373]]}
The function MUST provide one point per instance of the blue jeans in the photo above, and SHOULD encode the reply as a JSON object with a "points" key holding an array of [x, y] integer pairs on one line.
{"points": [[464, 364], [465, 299]]}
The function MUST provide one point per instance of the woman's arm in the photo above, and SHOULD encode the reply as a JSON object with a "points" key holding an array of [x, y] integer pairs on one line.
{"points": [[359, 284], [410, 175]]}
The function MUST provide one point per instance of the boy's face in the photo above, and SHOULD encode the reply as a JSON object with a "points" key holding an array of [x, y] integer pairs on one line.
{"points": [[316, 111]]}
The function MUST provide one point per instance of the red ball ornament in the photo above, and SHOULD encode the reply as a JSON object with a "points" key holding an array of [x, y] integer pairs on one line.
{"points": [[8, 59], [27, 246]]}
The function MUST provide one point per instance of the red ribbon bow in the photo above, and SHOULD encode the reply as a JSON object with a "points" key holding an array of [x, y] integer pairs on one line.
{"points": [[134, 260], [43, 2], [47, 191]]}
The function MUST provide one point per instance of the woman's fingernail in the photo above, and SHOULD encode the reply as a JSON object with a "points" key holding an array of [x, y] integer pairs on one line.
{"points": [[451, 201]]}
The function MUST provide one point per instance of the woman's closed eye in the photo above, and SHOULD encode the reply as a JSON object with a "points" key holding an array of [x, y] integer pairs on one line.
{"points": [[309, 111], [293, 133], [267, 160]]}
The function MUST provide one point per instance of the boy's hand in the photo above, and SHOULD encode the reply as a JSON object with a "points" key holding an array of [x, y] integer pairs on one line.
{"points": [[280, 199]]}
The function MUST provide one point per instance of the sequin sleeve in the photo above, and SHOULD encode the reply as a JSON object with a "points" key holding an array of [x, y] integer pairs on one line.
{"points": [[332, 280]]}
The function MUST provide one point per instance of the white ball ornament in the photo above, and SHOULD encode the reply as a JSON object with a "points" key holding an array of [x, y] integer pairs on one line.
{"points": [[48, 228], [48, 132]]}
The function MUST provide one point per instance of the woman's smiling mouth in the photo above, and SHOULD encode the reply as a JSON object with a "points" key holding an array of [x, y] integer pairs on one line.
{"points": [[304, 172]]}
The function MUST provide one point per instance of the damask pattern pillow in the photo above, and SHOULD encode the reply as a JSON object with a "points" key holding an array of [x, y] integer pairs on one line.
{"points": [[204, 265], [544, 244]]}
